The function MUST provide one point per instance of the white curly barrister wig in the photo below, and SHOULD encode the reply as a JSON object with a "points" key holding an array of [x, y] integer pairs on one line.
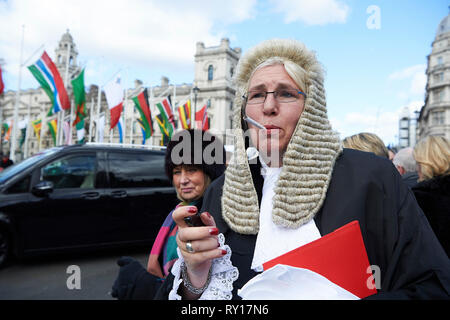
{"points": [[310, 156]]}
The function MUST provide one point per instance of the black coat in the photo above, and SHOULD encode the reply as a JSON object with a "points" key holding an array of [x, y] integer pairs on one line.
{"points": [[433, 197], [397, 235]]}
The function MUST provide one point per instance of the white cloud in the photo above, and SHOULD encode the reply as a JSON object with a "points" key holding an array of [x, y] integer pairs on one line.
{"points": [[317, 12], [149, 32], [407, 72], [381, 122], [409, 83]]}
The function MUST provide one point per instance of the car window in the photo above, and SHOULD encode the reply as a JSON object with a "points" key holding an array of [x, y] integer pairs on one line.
{"points": [[71, 172], [20, 186], [136, 170]]}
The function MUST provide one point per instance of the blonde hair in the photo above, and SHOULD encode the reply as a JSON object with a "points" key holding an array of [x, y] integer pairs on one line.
{"points": [[432, 154], [368, 142]]}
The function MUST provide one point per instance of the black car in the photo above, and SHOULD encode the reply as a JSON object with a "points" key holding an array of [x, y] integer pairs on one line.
{"points": [[83, 197]]}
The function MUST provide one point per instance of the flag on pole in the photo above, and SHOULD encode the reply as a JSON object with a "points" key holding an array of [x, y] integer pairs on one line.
{"points": [[80, 98], [165, 110], [66, 130], [37, 124], [142, 105], [80, 131], [165, 137], [6, 130], [2, 85], [100, 124], [201, 119], [144, 132], [114, 97], [46, 73], [185, 115], [23, 131], [119, 127], [52, 126]]}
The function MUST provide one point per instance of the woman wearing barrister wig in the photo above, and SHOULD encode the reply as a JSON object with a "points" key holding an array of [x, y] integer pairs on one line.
{"points": [[190, 174], [302, 186]]}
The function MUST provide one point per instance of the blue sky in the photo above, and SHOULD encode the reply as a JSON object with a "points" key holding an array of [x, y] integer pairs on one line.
{"points": [[371, 74]]}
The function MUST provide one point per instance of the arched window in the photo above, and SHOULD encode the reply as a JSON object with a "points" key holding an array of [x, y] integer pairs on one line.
{"points": [[210, 72]]}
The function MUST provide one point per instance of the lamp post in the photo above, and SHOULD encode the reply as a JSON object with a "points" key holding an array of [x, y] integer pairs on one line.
{"points": [[196, 90]]}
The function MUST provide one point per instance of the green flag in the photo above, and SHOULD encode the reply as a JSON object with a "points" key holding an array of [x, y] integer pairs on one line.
{"points": [[80, 97]]}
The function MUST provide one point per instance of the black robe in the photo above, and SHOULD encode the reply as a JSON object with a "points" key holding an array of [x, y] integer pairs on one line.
{"points": [[396, 234]]}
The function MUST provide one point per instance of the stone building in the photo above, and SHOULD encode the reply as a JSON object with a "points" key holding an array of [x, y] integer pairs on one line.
{"points": [[212, 85], [434, 118]]}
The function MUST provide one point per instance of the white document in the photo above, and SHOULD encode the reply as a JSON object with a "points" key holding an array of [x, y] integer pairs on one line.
{"points": [[283, 282]]}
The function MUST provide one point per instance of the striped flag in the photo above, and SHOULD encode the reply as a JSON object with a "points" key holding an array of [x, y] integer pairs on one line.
{"points": [[120, 128], [46, 73], [165, 110], [2, 85], [37, 124], [142, 105], [201, 118], [165, 138], [114, 97], [6, 130], [185, 115], [52, 126], [144, 132]]}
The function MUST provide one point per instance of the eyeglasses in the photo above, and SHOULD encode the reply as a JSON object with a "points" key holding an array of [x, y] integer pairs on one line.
{"points": [[281, 95]]}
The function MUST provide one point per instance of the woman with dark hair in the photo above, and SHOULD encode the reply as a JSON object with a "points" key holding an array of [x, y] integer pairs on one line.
{"points": [[193, 159]]}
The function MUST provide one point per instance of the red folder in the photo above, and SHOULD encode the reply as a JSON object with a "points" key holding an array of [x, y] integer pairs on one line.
{"points": [[339, 256]]}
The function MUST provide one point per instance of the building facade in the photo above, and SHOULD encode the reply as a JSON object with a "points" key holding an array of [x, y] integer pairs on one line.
{"points": [[434, 117], [212, 85]]}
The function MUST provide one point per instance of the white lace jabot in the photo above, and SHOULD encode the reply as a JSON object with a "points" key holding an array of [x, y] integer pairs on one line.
{"points": [[274, 240]]}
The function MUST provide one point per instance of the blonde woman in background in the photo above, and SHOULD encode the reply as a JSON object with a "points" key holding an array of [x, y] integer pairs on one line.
{"points": [[368, 142], [432, 155]]}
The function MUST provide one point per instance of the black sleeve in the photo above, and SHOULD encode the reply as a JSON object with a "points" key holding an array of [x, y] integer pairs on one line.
{"points": [[164, 290], [134, 282], [418, 267]]}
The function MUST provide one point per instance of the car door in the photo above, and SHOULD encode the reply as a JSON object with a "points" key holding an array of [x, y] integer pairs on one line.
{"points": [[141, 195], [70, 215]]}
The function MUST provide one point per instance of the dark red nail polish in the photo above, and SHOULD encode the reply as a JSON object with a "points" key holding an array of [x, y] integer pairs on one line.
{"points": [[207, 213], [224, 252], [192, 209], [214, 231]]}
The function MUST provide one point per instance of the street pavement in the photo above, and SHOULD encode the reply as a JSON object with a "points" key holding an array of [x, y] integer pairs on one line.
{"points": [[50, 278]]}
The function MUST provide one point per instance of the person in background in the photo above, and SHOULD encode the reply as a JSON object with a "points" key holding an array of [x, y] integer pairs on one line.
{"points": [[6, 161], [368, 142], [406, 165], [190, 177], [432, 155], [392, 151]]}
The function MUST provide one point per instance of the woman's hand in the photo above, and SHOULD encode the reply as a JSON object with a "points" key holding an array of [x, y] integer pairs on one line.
{"points": [[204, 243]]}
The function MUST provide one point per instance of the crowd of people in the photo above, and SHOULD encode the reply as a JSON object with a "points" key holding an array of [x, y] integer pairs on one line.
{"points": [[299, 183]]}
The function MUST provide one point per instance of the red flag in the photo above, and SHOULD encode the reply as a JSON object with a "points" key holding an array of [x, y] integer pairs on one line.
{"points": [[2, 85], [201, 119]]}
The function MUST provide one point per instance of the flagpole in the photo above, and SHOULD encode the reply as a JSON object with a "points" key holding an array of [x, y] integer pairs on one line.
{"points": [[12, 151], [91, 119], [66, 83], [25, 149], [152, 139], [99, 97]]}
